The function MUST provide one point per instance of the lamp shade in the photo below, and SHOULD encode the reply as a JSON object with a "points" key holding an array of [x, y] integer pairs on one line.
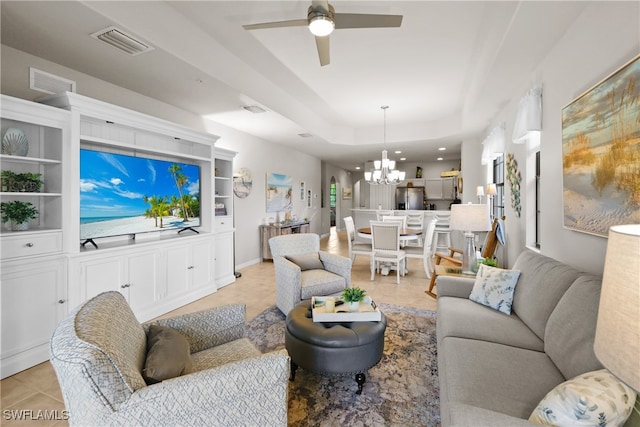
{"points": [[492, 190], [470, 217], [617, 341], [480, 190]]}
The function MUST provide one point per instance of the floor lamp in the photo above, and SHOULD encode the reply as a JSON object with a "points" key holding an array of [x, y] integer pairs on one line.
{"points": [[617, 342], [469, 218]]}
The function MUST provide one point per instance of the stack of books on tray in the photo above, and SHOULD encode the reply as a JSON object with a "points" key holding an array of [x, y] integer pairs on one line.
{"points": [[368, 311]]}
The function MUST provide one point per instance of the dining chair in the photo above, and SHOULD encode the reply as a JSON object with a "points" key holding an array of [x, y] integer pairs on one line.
{"points": [[385, 241], [415, 220], [355, 248], [401, 219], [426, 251], [380, 213]]}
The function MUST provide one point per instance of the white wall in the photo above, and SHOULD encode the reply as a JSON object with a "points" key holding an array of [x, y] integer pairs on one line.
{"points": [[258, 155], [602, 39]]}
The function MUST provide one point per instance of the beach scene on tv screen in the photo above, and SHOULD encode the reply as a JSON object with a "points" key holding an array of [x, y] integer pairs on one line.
{"points": [[122, 194]]}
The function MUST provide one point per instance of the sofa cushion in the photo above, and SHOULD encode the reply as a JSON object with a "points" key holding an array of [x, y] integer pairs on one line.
{"points": [[571, 328], [168, 355], [542, 283], [306, 261], [592, 399], [494, 288], [320, 282], [496, 377], [460, 317]]}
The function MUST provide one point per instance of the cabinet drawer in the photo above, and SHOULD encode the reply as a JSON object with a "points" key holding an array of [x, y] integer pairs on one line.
{"points": [[223, 222], [31, 244]]}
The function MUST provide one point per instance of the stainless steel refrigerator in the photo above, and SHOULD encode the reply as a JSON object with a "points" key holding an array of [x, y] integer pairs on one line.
{"points": [[409, 198]]}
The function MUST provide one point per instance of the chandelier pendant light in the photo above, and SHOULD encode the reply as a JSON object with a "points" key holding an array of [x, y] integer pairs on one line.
{"points": [[384, 171]]}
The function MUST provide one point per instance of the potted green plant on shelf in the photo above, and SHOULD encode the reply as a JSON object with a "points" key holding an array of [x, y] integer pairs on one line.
{"points": [[28, 182], [19, 213], [353, 296]]}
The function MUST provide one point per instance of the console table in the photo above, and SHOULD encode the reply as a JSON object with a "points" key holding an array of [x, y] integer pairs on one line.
{"points": [[269, 231]]}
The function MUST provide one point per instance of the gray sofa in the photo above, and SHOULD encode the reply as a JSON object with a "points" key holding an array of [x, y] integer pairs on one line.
{"points": [[494, 369]]}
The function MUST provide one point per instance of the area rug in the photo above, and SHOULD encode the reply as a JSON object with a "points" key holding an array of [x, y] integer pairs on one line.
{"points": [[401, 390]]}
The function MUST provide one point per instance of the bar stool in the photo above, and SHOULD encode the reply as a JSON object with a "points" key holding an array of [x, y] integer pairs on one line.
{"points": [[442, 233]]}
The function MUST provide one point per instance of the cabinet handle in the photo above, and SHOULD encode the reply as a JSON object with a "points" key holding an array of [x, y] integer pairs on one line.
{"points": [[29, 245], [126, 285], [61, 301], [190, 267]]}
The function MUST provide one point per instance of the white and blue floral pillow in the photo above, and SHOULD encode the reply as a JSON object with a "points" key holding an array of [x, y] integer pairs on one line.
{"points": [[494, 287], [592, 399]]}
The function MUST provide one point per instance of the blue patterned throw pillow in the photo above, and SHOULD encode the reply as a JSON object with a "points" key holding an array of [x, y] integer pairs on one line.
{"points": [[592, 399], [494, 287]]}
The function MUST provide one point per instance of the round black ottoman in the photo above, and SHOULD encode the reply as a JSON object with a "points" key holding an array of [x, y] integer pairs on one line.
{"points": [[333, 348]]}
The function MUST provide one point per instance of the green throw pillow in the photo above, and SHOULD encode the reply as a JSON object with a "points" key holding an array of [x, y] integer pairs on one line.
{"points": [[592, 399], [494, 287], [307, 261], [168, 355]]}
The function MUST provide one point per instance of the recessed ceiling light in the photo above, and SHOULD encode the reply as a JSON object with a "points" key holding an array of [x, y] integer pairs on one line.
{"points": [[442, 148], [439, 158], [357, 168], [403, 158], [398, 151], [305, 135], [254, 109]]}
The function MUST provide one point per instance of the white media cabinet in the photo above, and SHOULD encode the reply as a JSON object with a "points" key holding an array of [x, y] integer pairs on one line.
{"points": [[46, 272]]}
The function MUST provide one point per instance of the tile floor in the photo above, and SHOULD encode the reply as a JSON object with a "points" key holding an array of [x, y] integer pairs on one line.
{"points": [[36, 389]]}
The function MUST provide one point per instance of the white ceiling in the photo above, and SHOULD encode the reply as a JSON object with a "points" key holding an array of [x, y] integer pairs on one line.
{"points": [[444, 73]]}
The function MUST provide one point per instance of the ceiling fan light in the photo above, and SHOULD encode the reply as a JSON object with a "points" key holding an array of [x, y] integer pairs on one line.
{"points": [[321, 25]]}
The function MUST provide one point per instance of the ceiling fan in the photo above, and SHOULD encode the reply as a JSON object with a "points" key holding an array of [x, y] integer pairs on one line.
{"points": [[322, 20]]}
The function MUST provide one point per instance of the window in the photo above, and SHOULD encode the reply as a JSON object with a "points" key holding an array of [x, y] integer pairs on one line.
{"points": [[537, 242], [498, 179], [332, 195]]}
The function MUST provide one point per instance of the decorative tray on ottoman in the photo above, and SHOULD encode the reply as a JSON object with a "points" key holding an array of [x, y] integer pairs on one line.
{"points": [[368, 312]]}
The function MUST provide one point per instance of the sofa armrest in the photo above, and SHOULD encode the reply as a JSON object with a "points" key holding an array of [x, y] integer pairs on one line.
{"points": [[453, 286], [337, 264], [248, 392], [208, 328]]}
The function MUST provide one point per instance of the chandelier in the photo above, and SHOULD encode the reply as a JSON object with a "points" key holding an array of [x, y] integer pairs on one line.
{"points": [[384, 171]]}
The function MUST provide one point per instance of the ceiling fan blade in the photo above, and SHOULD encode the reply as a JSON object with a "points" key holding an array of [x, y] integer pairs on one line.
{"points": [[322, 43], [364, 20], [278, 24]]}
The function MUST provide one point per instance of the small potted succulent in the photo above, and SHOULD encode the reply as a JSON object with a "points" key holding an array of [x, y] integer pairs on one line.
{"points": [[19, 213], [353, 296]]}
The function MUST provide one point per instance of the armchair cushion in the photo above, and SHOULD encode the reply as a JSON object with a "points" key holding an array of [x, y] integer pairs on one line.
{"points": [[307, 261], [168, 354], [320, 282]]}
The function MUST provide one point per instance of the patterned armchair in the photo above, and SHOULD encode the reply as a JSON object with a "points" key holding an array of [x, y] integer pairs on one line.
{"points": [[295, 284], [99, 352]]}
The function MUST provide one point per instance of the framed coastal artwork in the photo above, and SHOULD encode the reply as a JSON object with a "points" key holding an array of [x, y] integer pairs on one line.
{"points": [[346, 193], [601, 154], [303, 193], [279, 192]]}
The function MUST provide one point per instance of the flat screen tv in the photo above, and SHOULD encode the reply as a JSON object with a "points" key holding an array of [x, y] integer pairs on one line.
{"points": [[127, 195]]}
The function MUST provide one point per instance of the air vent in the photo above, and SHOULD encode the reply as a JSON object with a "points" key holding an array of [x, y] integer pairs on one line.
{"points": [[121, 40], [49, 83]]}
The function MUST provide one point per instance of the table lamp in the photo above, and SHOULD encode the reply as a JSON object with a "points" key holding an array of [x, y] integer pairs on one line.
{"points": [[469, 218], [480, 193], [617, 341]]}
